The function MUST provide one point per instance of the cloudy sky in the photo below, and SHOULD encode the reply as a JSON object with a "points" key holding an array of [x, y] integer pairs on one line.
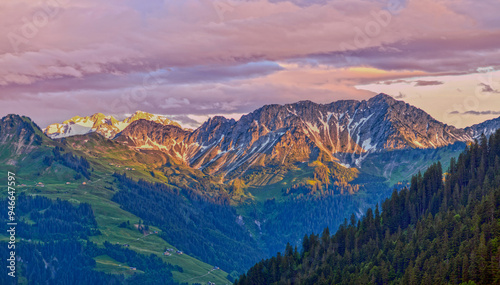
{"points": [[197, 58]]}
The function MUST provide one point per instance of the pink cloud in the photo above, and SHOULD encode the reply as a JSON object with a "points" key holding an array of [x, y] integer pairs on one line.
{"points": [[92, 51]]}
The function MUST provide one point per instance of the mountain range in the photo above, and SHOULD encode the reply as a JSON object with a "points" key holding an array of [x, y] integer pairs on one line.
{"points": [[343, 132], [107, 126]]}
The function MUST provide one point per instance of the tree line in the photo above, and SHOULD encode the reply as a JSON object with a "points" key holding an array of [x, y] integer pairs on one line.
{"points": [[77, 163]]}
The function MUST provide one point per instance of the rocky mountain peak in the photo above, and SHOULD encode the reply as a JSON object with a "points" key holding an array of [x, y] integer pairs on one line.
{"points": [[342, 131], [383, 98], [19, 134], [487, 128], [107, 126], [148, 135], [138, 115]]}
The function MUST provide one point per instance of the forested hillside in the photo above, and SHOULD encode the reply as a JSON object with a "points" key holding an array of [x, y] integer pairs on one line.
{"points": [[203, 229], [55, 248], [443, 229]]}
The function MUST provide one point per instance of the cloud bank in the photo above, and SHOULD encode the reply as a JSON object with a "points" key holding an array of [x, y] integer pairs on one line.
{"points": [[59, 58]]}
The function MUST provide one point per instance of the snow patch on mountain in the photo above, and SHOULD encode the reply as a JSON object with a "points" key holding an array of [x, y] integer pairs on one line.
{"points": [[107, 126]]}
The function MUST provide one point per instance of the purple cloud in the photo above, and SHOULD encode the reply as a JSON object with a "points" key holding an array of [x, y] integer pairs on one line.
{"points": [[488, 89], [428, 83], [96, 56]]}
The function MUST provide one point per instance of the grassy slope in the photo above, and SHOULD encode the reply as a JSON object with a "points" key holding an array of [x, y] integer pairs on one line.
{"points": [[30, 170], [109, 215], [107, 264]]}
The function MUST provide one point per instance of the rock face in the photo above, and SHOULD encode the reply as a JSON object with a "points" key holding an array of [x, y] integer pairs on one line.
{"points": [[299, 132], [144, 134], [487, 128], [19, 134], [107, 126]]}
